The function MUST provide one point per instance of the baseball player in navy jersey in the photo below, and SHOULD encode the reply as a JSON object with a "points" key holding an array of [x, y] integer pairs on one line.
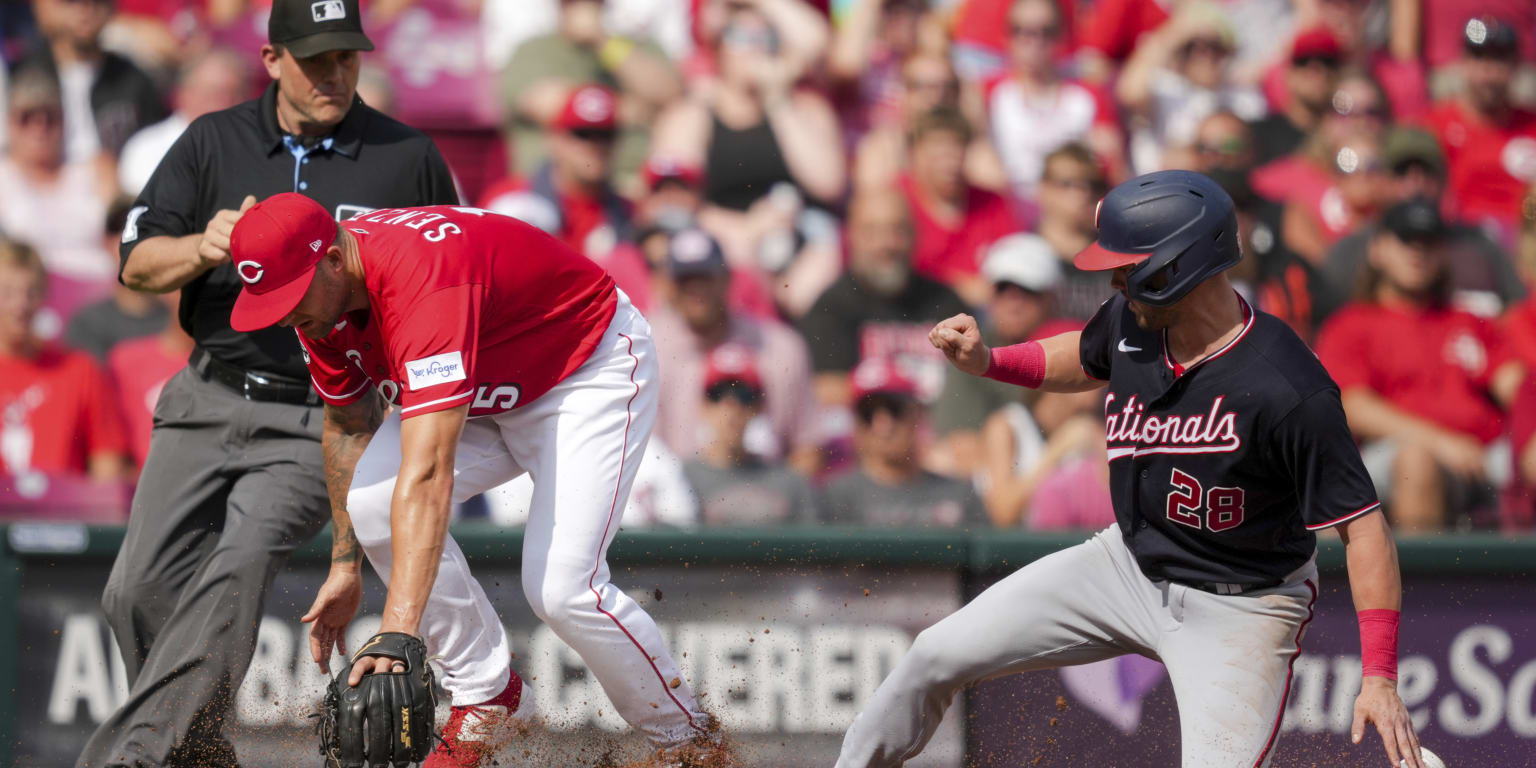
{"points": [[1228, 450]]}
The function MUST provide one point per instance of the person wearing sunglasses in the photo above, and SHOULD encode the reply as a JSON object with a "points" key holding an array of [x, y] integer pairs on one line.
{"points": [[50, 201], [1311, 75], [888, 486], [735, 485], [569, 195], [1177, 76]]}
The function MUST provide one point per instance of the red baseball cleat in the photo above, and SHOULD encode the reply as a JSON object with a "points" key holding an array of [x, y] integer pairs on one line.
{"points": [[475, 732]]}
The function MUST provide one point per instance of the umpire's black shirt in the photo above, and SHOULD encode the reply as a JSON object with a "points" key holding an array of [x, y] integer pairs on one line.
{"points": [[369, 161], [1220, 473]]}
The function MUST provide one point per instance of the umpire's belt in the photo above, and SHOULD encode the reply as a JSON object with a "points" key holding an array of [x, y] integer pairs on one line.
{"points": [[249, 384]]}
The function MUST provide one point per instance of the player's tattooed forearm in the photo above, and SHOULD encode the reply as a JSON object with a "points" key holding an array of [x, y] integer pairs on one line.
{"points": [[344, 548], [361, 417]]}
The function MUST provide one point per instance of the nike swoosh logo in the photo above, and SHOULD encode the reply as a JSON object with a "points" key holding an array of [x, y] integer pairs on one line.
{"points": [[1124, 348]]}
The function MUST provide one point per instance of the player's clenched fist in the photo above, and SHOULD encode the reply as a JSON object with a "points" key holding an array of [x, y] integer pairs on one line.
{"points": [[213, 246], [959, 338]]}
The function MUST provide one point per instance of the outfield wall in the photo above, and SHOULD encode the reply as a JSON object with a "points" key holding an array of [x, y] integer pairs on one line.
{"points": [[776, 629]]}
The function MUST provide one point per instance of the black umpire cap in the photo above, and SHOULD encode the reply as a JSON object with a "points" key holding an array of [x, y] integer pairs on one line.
{"points": [[312, 27]]}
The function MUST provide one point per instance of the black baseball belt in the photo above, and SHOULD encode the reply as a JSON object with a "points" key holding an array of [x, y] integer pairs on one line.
{"points": [[251, 385]]}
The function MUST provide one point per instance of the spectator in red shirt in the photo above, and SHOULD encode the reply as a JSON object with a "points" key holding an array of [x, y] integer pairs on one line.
{"points": [[57, 411], [1033, 109], [869, 47], [1071, 187], [139, 369], [952, 220], [570, 197], [1419, 378], [1490, 144]]}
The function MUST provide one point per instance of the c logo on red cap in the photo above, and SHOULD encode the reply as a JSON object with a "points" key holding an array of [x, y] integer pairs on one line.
{"points": [[592, 104], [251, 278]]}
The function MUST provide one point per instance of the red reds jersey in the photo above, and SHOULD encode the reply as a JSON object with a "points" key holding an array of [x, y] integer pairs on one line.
{"points": [[1489, 165], [468, 308], [57, 410], [1434, 363], [946, 250]]}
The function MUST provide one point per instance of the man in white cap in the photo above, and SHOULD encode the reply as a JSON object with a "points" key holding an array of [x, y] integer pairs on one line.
{"points": [[1024, 273]]}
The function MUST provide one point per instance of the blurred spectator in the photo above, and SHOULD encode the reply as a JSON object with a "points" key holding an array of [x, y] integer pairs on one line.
{"points": [[1178, 75], [139, 369], [569, 196], [1490, 144], [979, 29], [1276, 279], [771, 151], [1425, 410], [1520, 320], [1310, 80], [1110, 31], [1518, 507], [1444, 25], [754, 128], [507, 24], [208, 83], [1033, 110], [735, 485], [694, 324], [106, 98], [1357, 184], [1071, 187], [1047, 469], [879, 307], [1378, 38], [1024, 274], [125, 314], [888, 486], [537, 82], [866, 60], [52, 203], [927, 83], [1483, 281], [57, 411], [953, 221]]}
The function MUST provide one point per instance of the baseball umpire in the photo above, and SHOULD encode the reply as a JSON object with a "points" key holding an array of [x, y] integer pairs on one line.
{"points": [[232, 482], [1228, 450]]}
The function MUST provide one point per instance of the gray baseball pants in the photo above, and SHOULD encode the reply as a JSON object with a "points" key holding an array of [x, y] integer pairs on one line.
{"points": [[229, 489], [1229, 656]]}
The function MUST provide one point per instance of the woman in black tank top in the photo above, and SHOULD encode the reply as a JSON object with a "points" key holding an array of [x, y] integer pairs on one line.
{"points": [[752, 129]]}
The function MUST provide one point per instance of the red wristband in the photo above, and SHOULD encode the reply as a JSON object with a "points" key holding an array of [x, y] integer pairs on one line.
{"points": [[1021, 364], [1378, 642]]}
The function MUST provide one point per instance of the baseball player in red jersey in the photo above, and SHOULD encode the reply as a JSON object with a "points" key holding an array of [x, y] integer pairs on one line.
{"points": [[505, 352]]}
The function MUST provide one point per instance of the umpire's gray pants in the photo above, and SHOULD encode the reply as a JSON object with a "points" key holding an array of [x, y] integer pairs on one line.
{"points": [[229, 488]]}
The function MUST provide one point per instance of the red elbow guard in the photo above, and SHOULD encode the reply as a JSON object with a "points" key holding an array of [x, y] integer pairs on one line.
{"points": [[1378, 642], [1021, 364]]}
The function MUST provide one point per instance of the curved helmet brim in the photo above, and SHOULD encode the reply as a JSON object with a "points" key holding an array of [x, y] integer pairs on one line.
{"points": [[1096, 258]]}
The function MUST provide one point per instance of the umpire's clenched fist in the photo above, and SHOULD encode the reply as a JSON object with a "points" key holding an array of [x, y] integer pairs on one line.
{"points": [[959, 338]]}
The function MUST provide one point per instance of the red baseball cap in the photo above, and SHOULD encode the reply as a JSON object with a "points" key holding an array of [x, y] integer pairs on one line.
{"points": [[589, 107], [881, 374], [732, 362], [659, 169], [275, 247], [1316, 42]]}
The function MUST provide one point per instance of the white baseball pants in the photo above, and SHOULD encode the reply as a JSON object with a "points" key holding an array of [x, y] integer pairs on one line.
{"points": [[1229, 656], [581, 443]]}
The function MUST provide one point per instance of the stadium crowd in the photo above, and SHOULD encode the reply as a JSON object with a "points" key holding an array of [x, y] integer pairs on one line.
{"points": [[794, 191]]}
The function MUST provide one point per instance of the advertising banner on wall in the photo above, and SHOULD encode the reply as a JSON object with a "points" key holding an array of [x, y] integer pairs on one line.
{"points": [[784, 657]]}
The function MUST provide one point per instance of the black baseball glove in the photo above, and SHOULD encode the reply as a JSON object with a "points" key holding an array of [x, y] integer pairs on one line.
{"points": [[387, 720]]}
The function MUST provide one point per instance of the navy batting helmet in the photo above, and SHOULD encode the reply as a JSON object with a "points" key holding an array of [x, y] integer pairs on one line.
{"points": [[1178, 227]]}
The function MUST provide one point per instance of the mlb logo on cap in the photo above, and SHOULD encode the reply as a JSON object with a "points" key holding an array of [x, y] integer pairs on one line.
{"points": [[328, 10]]}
